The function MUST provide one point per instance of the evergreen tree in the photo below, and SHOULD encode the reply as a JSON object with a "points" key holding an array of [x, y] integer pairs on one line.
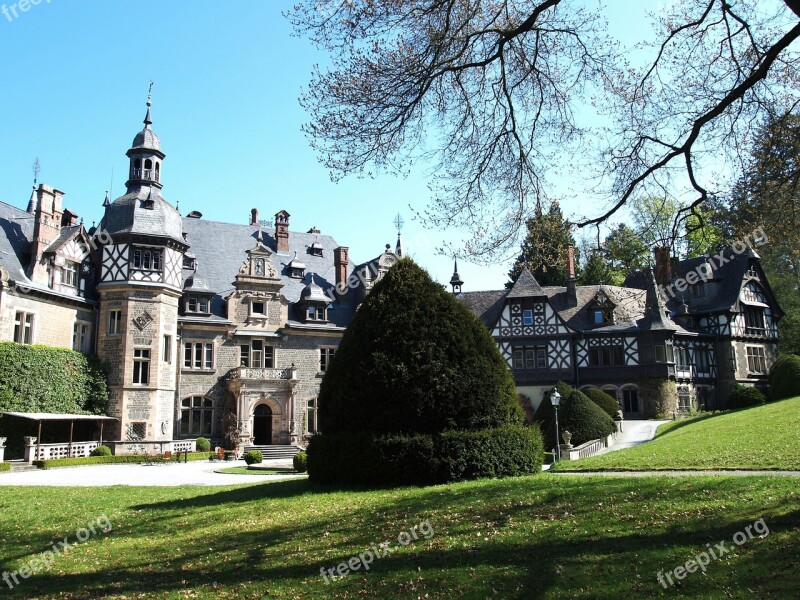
{"points": [[544, 249], [626, 253], [597, 270]]}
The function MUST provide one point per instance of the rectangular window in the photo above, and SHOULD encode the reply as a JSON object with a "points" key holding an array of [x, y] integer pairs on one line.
{"points": [[70, 273], [600, 356], [198, 355], [244, 355], [257, 355], [141, 366], [531, 357], [681, 358], [684, 399], [325, 357], [699, 290], [756, 360], [23, 328], [81, 337], [519, 358], [665, 353], [311, 416], [527, 317], [197, 415], [166, 351], [114, 319], [147, 259], [754, 320], [702, 359], [258, 308]]}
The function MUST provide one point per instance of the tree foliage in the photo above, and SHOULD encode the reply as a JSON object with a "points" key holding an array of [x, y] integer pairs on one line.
{"points": [[544, 250], [415, 360], [577, 414], [500, 94]]}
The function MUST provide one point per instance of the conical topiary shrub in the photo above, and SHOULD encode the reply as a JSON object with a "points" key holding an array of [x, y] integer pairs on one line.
{"points": [[577, 414], [415, 363]]}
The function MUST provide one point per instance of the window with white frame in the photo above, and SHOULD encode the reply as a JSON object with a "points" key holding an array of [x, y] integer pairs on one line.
{"points": [[325, 357], [258, 308], [530, 357], [147, 259], [81, 337], [114, 319], [197, 305], [527, 317], [198, 356], [684, 399], [257, 355], [23, 327], [681, 358], [141, 366], [756, 360], [70, 274]]}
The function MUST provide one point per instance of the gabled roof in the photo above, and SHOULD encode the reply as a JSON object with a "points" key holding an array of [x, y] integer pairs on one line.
{"points": [[526, 286], [486, 305], [66, 234], [221, 248]]}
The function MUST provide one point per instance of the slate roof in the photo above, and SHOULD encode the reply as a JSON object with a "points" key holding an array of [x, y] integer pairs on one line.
{"points": [[127, 215], [221, 249], [486, 305], [526, 286], [63, 237], [15, 242]]}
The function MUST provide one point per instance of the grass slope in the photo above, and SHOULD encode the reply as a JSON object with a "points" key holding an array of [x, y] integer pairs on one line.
{"points": [[532, 537], [762, 437]]}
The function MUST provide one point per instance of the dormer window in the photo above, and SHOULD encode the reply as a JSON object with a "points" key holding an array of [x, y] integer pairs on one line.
{"points": [[297, 269], [317, 313], [188, 262], [258, 308], [602, 309], [197, 305], [70, 274], [148, 204], [315, 249]]}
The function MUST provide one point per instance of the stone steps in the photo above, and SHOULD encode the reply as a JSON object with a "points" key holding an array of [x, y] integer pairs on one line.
{"points": [[17, 467], [275, 452]]}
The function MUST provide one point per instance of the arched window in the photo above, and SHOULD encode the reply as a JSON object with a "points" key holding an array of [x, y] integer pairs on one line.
{"points": [[148, 169], [158, 171]]}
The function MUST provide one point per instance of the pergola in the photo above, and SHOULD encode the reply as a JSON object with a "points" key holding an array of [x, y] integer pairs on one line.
{"points": [[40, 417]]}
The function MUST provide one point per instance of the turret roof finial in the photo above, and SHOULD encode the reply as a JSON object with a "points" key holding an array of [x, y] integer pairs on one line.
{"points": [[147, 119]]}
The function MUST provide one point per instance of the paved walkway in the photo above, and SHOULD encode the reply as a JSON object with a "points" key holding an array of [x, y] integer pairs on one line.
{"points": [[199, 472], [634, 432]]}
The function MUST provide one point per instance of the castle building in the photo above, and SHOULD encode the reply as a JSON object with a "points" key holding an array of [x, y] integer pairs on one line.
{"points": [[225, 330], [672, 339]]}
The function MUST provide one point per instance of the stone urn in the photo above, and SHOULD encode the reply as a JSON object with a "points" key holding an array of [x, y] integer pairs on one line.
{"points": [[567, 437]]}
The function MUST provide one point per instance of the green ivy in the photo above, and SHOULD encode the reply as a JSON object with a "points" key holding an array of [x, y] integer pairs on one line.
{"points": [[51, 380]]}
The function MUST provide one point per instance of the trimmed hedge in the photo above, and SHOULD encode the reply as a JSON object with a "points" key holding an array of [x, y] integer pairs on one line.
{"points": [[577, 414], [202, 444], [54, 463], [745, 395], [101, 451], [424, 459], [300, 462], [28, 384], [252, 457], [603, 400], [784, 377], [5, 466]]}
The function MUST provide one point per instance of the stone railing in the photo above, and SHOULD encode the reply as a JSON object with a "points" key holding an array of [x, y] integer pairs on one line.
{"points": [[258, 374], [49, 451], [590, 448]]}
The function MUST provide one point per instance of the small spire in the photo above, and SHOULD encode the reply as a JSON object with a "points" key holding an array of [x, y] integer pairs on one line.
{"points": [[456, 280], [147, 119], [106, 202], [399, 247]]}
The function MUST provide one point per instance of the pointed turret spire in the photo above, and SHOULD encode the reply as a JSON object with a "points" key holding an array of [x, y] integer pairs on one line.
{"points": [[147, 119], [399, 247], [106, 202], [455, 280]]}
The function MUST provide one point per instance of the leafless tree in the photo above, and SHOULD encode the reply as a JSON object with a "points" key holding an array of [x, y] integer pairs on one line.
{"points": [[493, 97]]}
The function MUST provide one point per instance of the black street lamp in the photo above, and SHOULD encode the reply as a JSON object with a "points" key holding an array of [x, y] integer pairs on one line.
{"points": [[555, 400]]}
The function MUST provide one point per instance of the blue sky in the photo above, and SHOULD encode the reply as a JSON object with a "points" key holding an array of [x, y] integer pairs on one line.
{"points": [[227, 77]]}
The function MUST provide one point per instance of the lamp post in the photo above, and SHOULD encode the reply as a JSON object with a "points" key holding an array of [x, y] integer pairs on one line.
{"points": [[555, 400]]}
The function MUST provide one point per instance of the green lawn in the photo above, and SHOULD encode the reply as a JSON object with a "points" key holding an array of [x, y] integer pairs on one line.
{"points": [[534, 537], [247, 471], [762, 437]]}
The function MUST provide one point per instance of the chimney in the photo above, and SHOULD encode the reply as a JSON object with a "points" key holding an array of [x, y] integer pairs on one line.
{"points": [[663, 270], [47, 215], [572, 283], [253, 217], [282, 231], [340, 263]]}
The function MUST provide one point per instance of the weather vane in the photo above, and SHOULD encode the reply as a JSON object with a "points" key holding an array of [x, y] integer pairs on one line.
{"points": [[398, 222]]}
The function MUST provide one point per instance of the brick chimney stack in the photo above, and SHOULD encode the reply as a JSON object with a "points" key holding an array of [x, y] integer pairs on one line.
{"points": [[282, 232], [47, 215], [663, 270], [253, 217], [340, 262], [572, 282]]}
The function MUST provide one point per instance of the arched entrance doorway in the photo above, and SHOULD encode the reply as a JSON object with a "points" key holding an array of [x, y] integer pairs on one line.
{"points": [[262, 425]]}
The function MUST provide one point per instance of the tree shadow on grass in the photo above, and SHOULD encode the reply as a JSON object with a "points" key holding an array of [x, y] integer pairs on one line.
{"points": [[685, 422]]}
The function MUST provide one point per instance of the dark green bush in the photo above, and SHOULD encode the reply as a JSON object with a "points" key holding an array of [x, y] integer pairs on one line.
{"points": [[300, 462], [424, 458], [415, 360], [784, 377], [577, 414], [101, 451], [745, 395], [603, 400], [202, 444], [252, 457], [52, 463], [27, 383], [5, 466]]}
